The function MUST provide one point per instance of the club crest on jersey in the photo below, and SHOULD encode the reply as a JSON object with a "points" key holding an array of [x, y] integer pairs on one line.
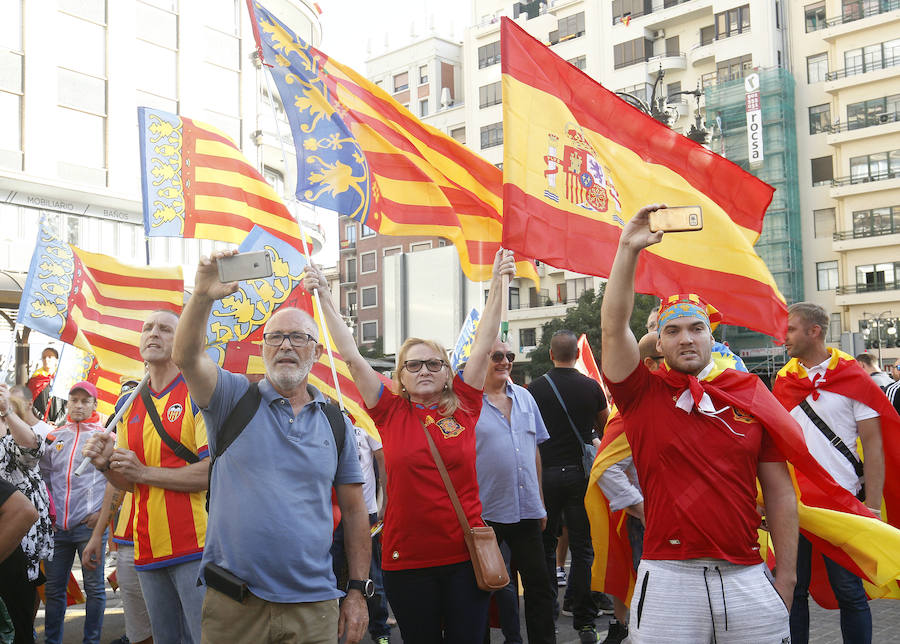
{"points": [[173, 413], [742, 416], [449, 427], [58, 447]]}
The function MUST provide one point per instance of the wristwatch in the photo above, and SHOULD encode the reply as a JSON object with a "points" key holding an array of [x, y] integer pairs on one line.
{"points": [[366, 587]]}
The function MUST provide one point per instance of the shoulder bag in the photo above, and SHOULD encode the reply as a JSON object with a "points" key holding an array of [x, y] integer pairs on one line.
{"points": [[588, 452]]}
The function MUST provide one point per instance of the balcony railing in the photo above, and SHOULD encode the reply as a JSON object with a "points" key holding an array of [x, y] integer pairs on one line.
{"points": [[347, 245], [862, 234], [863, 68], [851, 289], [859, 124], [880, 7], [879, 176]]}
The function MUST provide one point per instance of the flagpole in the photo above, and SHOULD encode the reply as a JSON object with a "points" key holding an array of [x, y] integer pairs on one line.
{"points": [[304, 245], [504, 306]]}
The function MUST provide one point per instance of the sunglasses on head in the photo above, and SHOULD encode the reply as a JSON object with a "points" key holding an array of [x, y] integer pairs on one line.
{"points": [[497, 356], [434, 365]]}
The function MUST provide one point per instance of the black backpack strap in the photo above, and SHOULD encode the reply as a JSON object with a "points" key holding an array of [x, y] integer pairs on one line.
{"points": [[180, 450], [336, 420], [234, 424], [833, 438]]}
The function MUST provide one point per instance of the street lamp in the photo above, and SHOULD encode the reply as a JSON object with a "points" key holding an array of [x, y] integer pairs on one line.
{"points": [[878, 321], [656, 107]]}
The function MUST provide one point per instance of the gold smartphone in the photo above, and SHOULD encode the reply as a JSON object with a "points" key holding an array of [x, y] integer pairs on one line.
{"points": [[676, 219]]}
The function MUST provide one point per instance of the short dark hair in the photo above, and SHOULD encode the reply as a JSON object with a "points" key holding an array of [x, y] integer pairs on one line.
{"points": [[564, 345], [51, 350], [868, 359]]}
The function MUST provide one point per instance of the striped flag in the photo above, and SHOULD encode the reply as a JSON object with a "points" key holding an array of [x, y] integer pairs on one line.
{"points": [[362, 154], [95, 302], [578, 162], [196, 183]]}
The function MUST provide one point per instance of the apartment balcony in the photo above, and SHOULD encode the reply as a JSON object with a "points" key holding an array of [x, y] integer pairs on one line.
{"points": [[672, 12], [856, 294], [885, 123], [666, 62], [702, 53], [348, 280], [884, 69], [348, 246], [884, 12], [865, 184], [855, 239]]}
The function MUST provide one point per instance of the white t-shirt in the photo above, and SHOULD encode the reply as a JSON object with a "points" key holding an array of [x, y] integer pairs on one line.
{"points": [[366, 445], [841, 415], [41, 429]]}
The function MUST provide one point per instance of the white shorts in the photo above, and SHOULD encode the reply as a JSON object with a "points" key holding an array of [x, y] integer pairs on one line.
{"points": [[137, 620], [706, 600]]}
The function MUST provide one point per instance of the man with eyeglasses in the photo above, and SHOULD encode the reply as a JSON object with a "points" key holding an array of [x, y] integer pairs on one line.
{"points": [[267, 563], [508, 463]]}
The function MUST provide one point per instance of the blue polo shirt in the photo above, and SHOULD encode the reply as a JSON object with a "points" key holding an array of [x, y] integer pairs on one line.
{"points": [[505, 458], [270, 516]]}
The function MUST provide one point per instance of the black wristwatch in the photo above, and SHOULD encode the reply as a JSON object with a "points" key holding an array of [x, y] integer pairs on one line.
{"points": [[366, 587]]}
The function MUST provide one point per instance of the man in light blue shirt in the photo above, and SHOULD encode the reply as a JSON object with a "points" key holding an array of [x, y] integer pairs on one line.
{"points": [[509, 481]]}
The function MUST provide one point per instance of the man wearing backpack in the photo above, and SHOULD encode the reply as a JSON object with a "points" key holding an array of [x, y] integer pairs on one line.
{"points": [[277, 451], [161, 456]]}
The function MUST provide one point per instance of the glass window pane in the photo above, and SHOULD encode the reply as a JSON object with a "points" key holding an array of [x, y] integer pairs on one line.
{"points": [[90, 54], [94, 10], [156, 25], [88, 148], [10, 71], [156, 69], [222, 89], [853, 61], [872, 57], [223, 49], [152, 100], [223, 15], [10, 116], [82, 92]]}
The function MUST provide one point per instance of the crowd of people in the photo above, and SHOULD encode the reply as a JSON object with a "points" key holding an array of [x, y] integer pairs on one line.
{"points": [[248, 510]]}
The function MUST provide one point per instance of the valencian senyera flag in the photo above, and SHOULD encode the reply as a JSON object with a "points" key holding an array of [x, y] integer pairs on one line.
{"points": [[95, 302], [362, 154], [235, 325], [578, 162], [76, 365], [196, 183]]}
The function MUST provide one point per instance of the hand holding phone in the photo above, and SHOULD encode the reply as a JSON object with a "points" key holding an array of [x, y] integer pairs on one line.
{"points": [[245, 266], [677, 219]]}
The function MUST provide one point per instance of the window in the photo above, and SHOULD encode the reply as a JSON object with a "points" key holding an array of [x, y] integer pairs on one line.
{"points": [[369, 297], [874, 167], [393, 250], [877, 221], [672, 46], [401, 82], [459, 134], [819, 118], [351, 302], [489, 55], [491, 135], [827, 275], [369, 331], [368, 262], [642, 91], [571, 289], [834, 328], [822, 171], [876, 277], [873, 112], [707, 34], [823, 222], [816, 67], [631, 52], [350, 275], [633, 8], [733, 68], [513, 298], [423, 107], [871, 57], [416, 247], [489, 95], [350, 234], [579, 61], [423, 74], [732, 22], [673, 92], [527, 338], [366, 231], [571, 27]]}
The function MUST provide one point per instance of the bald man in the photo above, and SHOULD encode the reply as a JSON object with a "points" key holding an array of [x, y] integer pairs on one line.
{"points": [[267, 563]]}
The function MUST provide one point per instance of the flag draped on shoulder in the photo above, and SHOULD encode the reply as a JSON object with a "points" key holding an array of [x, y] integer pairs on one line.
{"points": [[197, 183], [578, 162], [362, 154], [95, 302], [235, 326]]}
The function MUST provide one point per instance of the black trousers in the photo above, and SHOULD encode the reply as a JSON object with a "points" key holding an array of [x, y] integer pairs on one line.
{"points": [[18, 593], [525, 542]]}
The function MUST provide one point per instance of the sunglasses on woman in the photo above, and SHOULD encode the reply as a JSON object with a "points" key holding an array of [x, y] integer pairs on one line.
{"points": [[414, 366], [497, 356]]}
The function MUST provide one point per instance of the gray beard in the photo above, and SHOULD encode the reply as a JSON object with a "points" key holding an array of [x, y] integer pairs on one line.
{"points": [[288, 380]]}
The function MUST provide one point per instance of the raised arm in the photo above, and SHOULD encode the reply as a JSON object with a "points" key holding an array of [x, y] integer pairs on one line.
{"points": [[364, 376], [620, 355], [21, 431], [189, 351], [486, 333]]}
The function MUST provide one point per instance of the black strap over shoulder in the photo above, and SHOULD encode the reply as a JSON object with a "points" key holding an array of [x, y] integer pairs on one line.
{"points": [[833, 438], [336, 419], [562, 404], [180, 450]]}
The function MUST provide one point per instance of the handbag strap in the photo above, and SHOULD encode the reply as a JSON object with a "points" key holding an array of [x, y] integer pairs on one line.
{"points": [[565, 409], [445, 477], [180, 450], [833, 438]]}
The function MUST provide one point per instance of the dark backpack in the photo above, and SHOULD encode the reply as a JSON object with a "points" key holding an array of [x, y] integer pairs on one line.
{"points": [[244, 411]]}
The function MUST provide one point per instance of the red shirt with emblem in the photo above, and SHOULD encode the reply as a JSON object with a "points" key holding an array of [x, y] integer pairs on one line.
{"points": [[697, 472], [420, 526]]}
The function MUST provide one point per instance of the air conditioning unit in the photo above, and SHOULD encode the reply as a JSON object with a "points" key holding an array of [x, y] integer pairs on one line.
{"points": [[659, 34], [884, 118]]}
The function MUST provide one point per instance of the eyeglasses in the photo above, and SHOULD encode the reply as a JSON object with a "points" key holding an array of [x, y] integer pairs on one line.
{"points": [[297, 339], [497, 356], [414, 366]]}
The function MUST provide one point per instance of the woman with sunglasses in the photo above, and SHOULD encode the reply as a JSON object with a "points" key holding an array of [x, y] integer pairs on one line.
{"points": [[428, 577]]}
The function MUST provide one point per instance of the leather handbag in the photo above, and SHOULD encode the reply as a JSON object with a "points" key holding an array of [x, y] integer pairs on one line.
{"points": [[490, 569]]}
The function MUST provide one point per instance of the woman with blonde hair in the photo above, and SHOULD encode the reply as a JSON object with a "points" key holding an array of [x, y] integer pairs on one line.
{"points": [[428, 576]]}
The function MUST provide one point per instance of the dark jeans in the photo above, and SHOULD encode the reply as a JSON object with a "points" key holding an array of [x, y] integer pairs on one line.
{"points": [[67, 544], [856, 618], [526, 546], [18, 593], [440, 604], [377, 603], [564, 489]]}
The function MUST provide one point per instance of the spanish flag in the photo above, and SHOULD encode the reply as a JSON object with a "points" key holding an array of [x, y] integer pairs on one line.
{"points": [[361, 153], [578, 162]]}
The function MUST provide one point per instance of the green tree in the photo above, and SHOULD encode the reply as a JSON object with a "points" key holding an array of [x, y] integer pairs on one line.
{"points": [[585, 318], [375, 351]]}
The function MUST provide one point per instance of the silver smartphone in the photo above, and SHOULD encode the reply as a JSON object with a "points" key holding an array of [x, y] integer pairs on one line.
{"points": [[245, 266]]}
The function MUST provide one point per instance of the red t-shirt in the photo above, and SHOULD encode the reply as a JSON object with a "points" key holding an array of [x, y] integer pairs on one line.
{"points": [[420, 527], [697, 473]]}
